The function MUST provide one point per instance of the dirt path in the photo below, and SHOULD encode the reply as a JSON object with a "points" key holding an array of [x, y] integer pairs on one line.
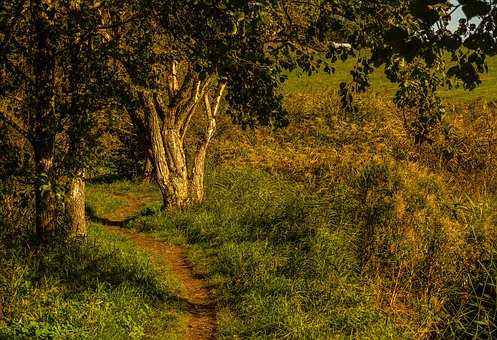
{"points": [[196, 292]]}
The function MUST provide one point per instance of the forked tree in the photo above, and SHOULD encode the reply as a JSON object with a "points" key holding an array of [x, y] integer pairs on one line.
{"points": [[173, 71], [167, 124], [231, 54]]}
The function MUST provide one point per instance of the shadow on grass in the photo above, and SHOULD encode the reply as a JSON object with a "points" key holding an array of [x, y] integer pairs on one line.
{"points": [[90, 213], [91, 265], [195, 309]]}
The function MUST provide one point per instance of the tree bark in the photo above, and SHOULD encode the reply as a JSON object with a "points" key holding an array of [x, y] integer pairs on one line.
{"points": [[198, 172], [157, 146], [43, 130], [45, 196], [76, 205], [176, 160], [148, 169]]}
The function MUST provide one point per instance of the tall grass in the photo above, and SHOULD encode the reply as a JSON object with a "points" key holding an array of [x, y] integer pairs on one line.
{"points": [[346, 225], [283, 263]]}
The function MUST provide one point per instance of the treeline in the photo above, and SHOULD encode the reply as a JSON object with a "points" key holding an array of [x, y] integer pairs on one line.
{"points": [[66, 65]]}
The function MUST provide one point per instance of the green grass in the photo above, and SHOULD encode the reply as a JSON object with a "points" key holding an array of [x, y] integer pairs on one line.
{"points": [[101, 204], [381, 86], [283, 261], [99, 288]]}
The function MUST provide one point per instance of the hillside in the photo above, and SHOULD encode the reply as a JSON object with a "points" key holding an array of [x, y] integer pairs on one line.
{"points": [[380, 85]]}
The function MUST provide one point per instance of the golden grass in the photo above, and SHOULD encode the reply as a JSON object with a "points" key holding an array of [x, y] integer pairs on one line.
{"points": [[438, 199]]}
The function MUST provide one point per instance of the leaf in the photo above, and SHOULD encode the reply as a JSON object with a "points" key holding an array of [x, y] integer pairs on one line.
{"points": [[474, 8]]}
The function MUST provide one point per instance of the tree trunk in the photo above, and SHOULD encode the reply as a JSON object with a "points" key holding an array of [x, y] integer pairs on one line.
{"points": [[148, 169], [76, 205], [176, 160], [198, 172], [45, 196], [166, 126], [158, 151], [46, 213], [43, 128]]}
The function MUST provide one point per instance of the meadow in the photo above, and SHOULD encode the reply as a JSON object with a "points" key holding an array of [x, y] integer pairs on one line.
{"points": [[337, 226], [380, 85]]}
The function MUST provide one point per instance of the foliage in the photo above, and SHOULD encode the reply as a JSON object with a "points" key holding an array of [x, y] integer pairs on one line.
{"points": [[408, 222], [411, 39]]}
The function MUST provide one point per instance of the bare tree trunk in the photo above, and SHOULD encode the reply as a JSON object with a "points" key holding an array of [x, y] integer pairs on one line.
{"points": [[166, 126], [76, 205], [157, 146], [198, 172]]}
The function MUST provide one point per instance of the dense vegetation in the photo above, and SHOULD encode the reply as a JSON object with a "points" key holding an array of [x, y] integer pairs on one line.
{"points": [[313, 207], [381, 239]]}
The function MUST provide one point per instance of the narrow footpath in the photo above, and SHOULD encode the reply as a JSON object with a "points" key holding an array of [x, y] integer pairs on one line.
{"points": [[196, 292]]}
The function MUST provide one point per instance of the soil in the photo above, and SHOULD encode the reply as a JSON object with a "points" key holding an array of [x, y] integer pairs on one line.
{"points": [[196, 293]]}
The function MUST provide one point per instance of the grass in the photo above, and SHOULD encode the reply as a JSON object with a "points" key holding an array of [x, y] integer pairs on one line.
{"points": [[381, 86], [100, 204], [100, 288], [283, 263]]}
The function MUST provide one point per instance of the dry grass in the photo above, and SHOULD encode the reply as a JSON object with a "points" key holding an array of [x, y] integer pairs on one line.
{"points": [[426, 214]]}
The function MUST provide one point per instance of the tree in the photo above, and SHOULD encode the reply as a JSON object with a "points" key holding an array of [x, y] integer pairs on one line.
{"points": [[171, 72], [51, 61], [412, 41]]}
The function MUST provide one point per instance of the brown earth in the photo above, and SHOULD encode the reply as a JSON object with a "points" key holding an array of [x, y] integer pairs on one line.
{"points": [[196, 293]]}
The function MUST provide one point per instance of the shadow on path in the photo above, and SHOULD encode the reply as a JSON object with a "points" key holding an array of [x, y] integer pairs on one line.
{"points": [[196, 296]]}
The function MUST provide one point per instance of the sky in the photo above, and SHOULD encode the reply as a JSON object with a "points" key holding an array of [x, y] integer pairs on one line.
{"points": [[458, 14]]}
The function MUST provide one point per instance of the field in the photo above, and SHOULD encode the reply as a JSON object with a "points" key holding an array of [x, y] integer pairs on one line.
{"points": [[337, 226], [381, 86]]}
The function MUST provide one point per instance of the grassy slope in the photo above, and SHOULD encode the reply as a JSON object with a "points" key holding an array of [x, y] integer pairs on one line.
{"points": [[380, 85], [283, 264], [339, 226]]}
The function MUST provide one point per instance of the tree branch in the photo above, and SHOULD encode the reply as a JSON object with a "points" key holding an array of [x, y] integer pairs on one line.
{"points": [[187, 114], [23, 132], [220, 91], [200, 154], [173, 83]]}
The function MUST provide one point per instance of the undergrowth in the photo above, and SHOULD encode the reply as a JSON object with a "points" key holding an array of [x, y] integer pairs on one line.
{"points": [[283, 263]]}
